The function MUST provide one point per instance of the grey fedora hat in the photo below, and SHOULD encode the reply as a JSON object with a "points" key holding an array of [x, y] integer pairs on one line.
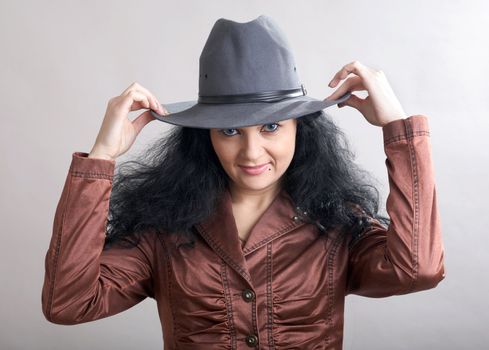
{"points": [[247, 76]]}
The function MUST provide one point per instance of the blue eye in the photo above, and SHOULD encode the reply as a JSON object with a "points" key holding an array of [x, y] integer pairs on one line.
{"points": [[224, 131], [272, 124]]}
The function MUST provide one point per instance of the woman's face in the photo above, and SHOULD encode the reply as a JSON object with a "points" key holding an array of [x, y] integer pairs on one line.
{"points": [[269, 146]]}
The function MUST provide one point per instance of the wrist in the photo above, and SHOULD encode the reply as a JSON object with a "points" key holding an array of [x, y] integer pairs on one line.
{"points": [[393, 120], [99, 156], [100, 152]]}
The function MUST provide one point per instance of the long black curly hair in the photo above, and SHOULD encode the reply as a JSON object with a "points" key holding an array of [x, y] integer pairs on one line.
{"points": [[177, 182]]}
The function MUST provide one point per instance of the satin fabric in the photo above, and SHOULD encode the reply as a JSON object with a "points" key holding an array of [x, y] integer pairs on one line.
{"points": [[283, 288]]}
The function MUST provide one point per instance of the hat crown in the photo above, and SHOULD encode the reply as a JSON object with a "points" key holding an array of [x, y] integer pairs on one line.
{"points": [[246, 58]]}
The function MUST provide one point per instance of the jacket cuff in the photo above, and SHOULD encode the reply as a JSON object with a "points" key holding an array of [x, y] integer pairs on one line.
{"points": [[94, 168], [407, 128]]}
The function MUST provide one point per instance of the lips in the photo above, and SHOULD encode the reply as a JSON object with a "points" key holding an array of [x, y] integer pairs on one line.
{"points": [[254, 170], [254, 167]]}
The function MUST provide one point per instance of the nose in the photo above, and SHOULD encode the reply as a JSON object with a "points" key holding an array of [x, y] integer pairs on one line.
{"points": [[252, 147]]}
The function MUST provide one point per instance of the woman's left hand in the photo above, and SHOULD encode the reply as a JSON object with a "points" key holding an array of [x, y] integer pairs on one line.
{"points": [[381, 106]]}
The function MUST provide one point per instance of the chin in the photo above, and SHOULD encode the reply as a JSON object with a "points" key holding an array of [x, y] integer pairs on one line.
{"points": [[257, 184]]}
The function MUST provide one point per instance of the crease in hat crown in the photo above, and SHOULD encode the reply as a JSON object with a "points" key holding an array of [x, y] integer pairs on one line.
{"points": [[252, 61]]}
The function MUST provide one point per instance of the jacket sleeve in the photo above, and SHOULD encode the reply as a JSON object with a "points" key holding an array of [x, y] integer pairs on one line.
{"points": [[82, 282], [408, 256]]}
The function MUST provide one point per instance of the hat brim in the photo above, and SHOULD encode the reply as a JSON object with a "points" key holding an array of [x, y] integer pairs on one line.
{"points": [[235, 115]]}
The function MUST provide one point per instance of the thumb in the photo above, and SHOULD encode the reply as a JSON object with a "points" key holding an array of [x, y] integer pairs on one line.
{"points": [[353, 101], [142, 120]]}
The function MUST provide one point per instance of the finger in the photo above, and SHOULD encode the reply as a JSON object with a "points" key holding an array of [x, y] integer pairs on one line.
{"points": [[142, 120], [350, 84], [155, 105], [162, 111], [130, 87], [354, 67], [135, 100]]}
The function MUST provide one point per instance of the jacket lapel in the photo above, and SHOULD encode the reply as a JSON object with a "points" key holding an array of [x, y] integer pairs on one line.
{"points": [[221, 233], [276, 221]]}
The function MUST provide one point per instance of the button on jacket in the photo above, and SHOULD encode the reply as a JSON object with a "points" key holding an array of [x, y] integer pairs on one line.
{"points": [[284, 288]]}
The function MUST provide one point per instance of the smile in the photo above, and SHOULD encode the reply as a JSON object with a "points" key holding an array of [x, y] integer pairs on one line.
{"points": [[255, 170]]}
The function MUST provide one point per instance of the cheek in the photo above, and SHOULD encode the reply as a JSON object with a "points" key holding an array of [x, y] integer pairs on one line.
{"points": [[226, 158], [287, 156], [224, 152], [286, 153]]}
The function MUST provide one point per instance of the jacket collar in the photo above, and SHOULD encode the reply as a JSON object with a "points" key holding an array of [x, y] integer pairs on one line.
{"points": [[221, 233]]}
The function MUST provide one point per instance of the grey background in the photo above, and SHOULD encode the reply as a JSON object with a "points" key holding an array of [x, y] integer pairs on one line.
{"points": [[61, 61]]}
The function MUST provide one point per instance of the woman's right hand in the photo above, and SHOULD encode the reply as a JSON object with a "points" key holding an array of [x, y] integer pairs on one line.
{"points": [[118, 133]]}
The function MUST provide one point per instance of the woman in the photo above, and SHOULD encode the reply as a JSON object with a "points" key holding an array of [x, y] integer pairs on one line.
{"points": [[246, 235]]}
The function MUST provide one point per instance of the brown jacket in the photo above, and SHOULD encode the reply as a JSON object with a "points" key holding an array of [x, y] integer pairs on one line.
{"points": [[284, 288]]}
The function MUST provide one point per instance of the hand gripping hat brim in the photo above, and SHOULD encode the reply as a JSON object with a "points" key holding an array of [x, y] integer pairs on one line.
{"points": [[247, 76]]}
